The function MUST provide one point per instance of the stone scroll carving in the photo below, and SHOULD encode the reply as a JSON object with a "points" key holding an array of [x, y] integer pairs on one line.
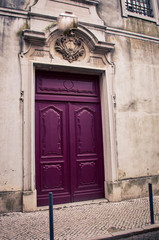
{"points": [[70, 46]]}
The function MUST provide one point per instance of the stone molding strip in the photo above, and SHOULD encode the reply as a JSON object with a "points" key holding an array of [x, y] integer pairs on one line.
{"points": [[94, 2], [110, 30], [34, 37], [75, 4], [91, 1], [13, 13]]}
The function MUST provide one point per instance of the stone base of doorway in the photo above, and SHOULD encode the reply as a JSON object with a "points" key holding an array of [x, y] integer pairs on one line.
{"points": [[74, 204], [129, 233], [132, 188], [29, 201], [10, 201], [17, 201]]}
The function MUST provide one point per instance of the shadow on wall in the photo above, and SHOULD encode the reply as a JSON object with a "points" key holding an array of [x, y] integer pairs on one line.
{"points": [[10, 202], [14, 4]]}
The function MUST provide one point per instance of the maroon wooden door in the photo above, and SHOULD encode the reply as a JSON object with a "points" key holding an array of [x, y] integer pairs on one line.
{"points": [[69, 155]]}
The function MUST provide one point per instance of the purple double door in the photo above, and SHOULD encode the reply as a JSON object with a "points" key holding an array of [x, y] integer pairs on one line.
{"points": [[69, 154]]}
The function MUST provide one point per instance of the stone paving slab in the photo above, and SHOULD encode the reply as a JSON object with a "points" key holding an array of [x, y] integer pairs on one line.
{"points": [[80, 220]]}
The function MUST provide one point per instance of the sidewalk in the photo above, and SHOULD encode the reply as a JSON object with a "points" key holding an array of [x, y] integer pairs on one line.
{"points": [[97, 219]]}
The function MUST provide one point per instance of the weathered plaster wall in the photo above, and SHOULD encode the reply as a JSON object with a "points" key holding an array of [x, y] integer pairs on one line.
{"points": [[11, 110], [111, 13], [137, 111], [137, 92], [14, 4]]}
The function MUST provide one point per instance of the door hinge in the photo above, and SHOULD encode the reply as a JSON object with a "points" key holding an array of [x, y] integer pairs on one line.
{"points": [[114, 100], [21, 96]]}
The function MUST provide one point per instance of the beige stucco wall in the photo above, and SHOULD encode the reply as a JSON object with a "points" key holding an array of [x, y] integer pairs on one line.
{"points": [[136, 87], [111, 13], [11, 108], [136, 84], [11, 116], [137, 111]]}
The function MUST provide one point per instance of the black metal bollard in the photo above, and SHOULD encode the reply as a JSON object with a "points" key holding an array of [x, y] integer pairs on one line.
{"points": [[51, 216], [151, 203]]}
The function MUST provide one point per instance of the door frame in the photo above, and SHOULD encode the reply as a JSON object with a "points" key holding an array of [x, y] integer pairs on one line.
{"points": [[68, 103], [106, 76]]}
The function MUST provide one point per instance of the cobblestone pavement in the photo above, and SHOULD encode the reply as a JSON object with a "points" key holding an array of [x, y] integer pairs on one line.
{"points": [[83, 220]]}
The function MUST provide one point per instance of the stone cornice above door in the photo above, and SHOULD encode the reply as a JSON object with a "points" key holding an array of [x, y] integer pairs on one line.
{"points": [[34, 37], [78, 47]]}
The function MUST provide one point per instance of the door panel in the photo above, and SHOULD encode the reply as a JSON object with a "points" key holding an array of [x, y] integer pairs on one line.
{"points": [[51, 154], [51, 134], [86, 153], [67, 84]]}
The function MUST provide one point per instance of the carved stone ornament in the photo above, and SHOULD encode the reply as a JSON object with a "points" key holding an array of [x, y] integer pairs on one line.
{"points": [[70, 46]]}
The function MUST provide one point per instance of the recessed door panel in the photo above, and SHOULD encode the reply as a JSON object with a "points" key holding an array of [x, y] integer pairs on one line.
{"points": [[51, 134], [67, 84], [48, 181], [85, 131]]}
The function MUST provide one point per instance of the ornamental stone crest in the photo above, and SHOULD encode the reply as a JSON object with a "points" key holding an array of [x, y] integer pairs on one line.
{"points": [[70, 46]]}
